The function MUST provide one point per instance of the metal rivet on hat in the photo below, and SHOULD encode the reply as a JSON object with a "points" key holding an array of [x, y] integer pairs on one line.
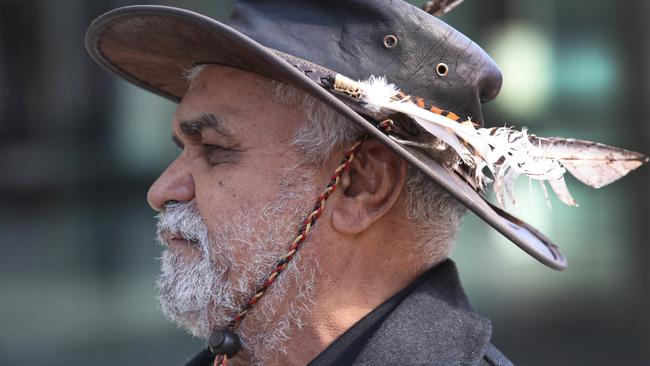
{"points": [[390, 41], [442, 69]]}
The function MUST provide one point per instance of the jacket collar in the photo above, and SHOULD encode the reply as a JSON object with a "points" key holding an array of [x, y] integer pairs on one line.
{"points": [[434, 323]]}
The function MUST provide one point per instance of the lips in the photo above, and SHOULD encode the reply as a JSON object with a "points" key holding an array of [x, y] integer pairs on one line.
{"points": [[176, 240]]}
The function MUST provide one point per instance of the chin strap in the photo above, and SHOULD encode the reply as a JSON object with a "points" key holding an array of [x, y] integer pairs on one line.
{"points": [[225, 343]]}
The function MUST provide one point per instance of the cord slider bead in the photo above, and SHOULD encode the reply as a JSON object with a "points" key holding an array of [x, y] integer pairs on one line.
{"points": [[223, 342]]}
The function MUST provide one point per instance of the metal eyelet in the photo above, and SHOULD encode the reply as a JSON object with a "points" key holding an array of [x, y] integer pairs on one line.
{"points": [[390, 41], [442, 69]]}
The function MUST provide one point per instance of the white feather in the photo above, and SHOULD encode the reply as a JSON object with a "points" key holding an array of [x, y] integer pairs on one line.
{"points": [[505, 152], [376, 92], [445, 134]]}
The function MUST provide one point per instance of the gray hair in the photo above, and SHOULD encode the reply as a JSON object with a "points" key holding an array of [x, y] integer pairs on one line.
{"points": [[434, 213]]}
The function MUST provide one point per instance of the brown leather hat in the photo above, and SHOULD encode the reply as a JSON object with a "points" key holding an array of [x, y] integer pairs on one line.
{"points": [[303, 43]]}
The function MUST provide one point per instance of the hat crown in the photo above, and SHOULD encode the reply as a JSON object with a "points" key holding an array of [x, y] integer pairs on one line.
{"points": [[419, 53]]}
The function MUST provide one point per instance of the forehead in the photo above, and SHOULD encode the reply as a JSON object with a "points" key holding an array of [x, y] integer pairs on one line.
{"points": [[243, 100]]}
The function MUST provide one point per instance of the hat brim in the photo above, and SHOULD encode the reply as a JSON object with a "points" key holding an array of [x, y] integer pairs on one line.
{"points": [[153, 46]]}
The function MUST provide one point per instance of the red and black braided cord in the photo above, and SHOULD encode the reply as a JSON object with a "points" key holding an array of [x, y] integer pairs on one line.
{"points": [[303, 233]]}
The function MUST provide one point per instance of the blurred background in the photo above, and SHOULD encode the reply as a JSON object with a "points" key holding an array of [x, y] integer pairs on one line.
{"points": [[79, 148]]}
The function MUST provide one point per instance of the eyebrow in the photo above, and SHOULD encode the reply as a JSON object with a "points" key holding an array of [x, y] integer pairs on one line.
{"points": [[194, 127]]}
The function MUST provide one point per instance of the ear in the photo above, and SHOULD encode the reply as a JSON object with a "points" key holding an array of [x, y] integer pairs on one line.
{"points": [[370, 188]]}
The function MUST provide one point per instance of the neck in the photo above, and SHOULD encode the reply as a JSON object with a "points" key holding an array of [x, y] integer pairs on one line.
{"points": [[356, 276]]}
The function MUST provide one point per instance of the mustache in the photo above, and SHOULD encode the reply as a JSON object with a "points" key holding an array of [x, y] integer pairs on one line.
{"points": [[202, 293], [181, 220]]}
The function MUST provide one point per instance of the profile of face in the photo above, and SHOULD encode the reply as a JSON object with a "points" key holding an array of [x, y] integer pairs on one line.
{"points": [[229, 205]]}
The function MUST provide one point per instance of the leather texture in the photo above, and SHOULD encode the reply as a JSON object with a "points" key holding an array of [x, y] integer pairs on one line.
{"points": [[347, 36], [153, 46]]}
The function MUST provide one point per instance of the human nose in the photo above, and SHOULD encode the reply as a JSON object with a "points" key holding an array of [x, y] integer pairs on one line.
{"points": [[175, 184]]}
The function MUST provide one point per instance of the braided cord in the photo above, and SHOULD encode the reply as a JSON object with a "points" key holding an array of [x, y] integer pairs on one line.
{"points": [[303, 233], [221, 360]]}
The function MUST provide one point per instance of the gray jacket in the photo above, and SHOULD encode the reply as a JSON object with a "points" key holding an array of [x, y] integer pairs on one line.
{"points": [[428, 323]]}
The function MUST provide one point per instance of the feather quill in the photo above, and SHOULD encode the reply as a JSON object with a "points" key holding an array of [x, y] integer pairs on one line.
{"points": [[440, 7]]}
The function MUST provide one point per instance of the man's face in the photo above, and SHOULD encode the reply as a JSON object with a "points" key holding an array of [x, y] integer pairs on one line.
{"points": [[235, 146], [231, 200]]}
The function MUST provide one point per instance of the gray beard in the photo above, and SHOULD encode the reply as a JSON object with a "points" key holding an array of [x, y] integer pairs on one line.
{"points": [[205, 293]]}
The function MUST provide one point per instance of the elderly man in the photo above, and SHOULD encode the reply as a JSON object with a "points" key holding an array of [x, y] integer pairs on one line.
{"points": [[308, 217]]}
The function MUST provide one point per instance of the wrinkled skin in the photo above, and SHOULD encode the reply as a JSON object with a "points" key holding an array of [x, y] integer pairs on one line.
{"points": [[236, 168]]}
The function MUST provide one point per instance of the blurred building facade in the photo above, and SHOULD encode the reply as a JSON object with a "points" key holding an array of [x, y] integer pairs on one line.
{"points": [[79, 148]]}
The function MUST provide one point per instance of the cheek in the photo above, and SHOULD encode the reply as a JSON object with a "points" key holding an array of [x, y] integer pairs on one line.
{"points": [[220, 195]]}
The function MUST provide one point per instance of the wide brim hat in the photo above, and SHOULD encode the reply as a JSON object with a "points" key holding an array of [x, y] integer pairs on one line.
{"points": [[301, 43]]}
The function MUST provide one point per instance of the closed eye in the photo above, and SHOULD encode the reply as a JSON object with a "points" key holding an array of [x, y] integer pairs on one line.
{"points": [[216, 154]]}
